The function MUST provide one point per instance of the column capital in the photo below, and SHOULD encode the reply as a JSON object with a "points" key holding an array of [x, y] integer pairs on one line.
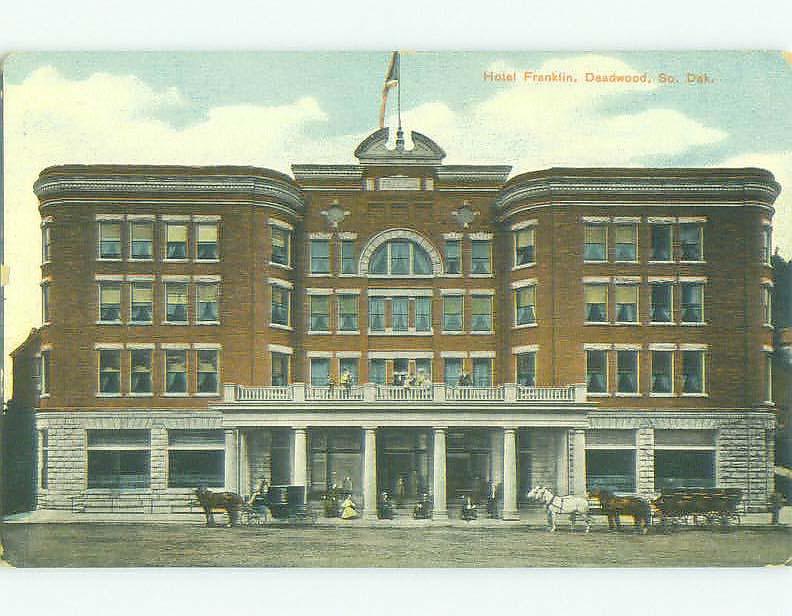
{"points": [[371, 428], [300, 428], [440, 428]]}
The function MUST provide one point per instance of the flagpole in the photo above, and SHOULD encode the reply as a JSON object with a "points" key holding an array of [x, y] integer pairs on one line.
{"points": [[399, 132]]}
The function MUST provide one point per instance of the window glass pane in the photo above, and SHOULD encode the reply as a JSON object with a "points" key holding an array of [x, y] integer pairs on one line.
{"points": [[320, 371], [625, 243], [399, 258], [176, 242], [482, 313], [175, 371], [280, 245], [142, 240], [596, 371], [110, 371], [684, 469], [140, 367], [142, 302], [348, 313], [452, 370], [349, 370], [423, 371], [595, 247], [692, 300], [208, 381], [661, 308], [627, 371], [193, 469], [661, 243], [452, 313], [320, 257], [379, 261], [348, 260], [525, 298], [662, 372], [596, 298], [482, 372], [320, 314], [422, 264], [120, 470], [690, 240], [207, 242], [423, 314], [627, 303], [110, 240], [280, 305], [453, 258], [377, 314], [612, 470], [481, 257], [693, 372], [176, 309], [110, 302], [526, 369], [524, 247], [280, 369], [377, 371], [207, 302], [399, 314]]}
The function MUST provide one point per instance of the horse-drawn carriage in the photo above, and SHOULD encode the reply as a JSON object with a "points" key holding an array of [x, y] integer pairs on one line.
{"points": [[698, 506], [285, 503]]}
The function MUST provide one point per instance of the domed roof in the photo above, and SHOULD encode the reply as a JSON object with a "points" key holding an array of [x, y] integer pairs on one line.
{"points": [[373, 150]]}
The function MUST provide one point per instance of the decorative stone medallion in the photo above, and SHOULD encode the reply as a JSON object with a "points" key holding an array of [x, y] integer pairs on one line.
{"points": [[335, 214], [465, 214]]}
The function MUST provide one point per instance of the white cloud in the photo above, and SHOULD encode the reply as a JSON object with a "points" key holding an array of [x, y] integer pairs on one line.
{"points": [[119, 119]]}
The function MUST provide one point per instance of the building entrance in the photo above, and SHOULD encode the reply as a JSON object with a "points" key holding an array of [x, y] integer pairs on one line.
{"points": [[403, 464], [469, 465]]}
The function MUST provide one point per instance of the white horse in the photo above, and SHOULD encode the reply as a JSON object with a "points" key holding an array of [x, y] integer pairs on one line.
{"points": [[564, 505]]}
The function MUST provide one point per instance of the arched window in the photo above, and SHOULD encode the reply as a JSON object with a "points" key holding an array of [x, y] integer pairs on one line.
{"points": [[400, 257]]}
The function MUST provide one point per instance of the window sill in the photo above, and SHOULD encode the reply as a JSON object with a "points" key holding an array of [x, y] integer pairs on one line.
{"points": [[523, 266], [487, 333], [141, 323], [697, 324], [280, 326], [108, 323], [683, 262], [765, 325], [480, 275], [207, 260], [453, 333], [524, 325], [626, 323], [596, 322], [175, 395], [285, 266], [348, 275], [207, 323], [669, 262], [459, 275], [319, 275], [140, 260], [348, 332], [108, 260], [595, 262], [655, 394], [141, 395], [694, 395], [407, 276], [594, 394], [624, 394], [175, 260], [319, 333], [662, 323], [43, 396], [207, 394], [179, 323], [108, 395], [632, 262]]}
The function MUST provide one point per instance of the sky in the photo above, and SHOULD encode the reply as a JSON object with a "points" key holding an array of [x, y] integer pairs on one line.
{"points": [[275, 109]]}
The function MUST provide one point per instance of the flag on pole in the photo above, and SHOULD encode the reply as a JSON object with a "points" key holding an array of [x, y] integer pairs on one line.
{"points": [[391, 81]]}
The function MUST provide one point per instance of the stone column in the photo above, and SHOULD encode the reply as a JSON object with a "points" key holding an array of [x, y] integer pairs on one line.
{"points": [[496, 473], [300, 457], [244, 466], [440, 507], [578, 442], [562, 462], [232, 460], [645, 462], [370, 473], [510, 511]]}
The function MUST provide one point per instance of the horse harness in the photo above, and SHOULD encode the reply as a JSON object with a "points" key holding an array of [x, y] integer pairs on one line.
{"points": [[552, 501]]}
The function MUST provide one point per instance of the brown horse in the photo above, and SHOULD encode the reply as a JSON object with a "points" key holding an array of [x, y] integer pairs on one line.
{"points": [[230, 501], [615, 506]]}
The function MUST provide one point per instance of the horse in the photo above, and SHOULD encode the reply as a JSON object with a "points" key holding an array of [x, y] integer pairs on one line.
{"points": [[570, 505], [615, 506], [230, 501]]}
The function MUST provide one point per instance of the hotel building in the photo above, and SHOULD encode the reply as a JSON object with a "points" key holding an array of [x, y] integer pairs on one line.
{"points": [[400, 325]]}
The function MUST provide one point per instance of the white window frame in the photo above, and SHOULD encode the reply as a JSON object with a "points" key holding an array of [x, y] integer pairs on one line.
{"points": [[197, 231], [135, 349], [131, 224], [99, 392], [100, 235]]}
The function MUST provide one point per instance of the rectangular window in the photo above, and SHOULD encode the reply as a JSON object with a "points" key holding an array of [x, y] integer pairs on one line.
{"points": [[44, 470], [141, 240], [627, 372], [109, 240], [610, 469], [320, 371], [110, 302], [692, 302], [399, 257], [196, 458], [524, 247], [140, 371], [452, 370], [423, 314], [208, 371], [320, 256], [595, 247], [207, 294], [348, 313], [453, 256], [319, 307], [45, 313], [348, 259], [110, 371], [176, 242], [207, 246], [626, 242], [596, 371], [693, 372], [176, 302], [481, 313], [281, 300], [482, 372], [691, 241], [45, 373], [452, 313], [348, 366], [376, 310], [142, 302], [526, 369], [280, 368], [661, 242], [524, 300], [175, 371], [661, 308], [767, 244], [679, 467], [627, 303], [45, 243], [377, 372], [119, 459], [281, 246], [767, 304], [596, 299], [481, 257], [423, 371], [400, 314], [401, 368], [662, 372]]}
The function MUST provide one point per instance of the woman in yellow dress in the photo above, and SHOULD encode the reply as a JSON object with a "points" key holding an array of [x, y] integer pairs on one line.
{"points": [[349, 509]]}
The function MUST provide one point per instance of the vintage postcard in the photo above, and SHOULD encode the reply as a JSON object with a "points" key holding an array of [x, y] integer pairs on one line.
{"points": [[491, 309]]}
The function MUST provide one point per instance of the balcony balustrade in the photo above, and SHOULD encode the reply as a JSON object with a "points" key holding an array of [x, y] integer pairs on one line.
{"points": [[434, 392]]}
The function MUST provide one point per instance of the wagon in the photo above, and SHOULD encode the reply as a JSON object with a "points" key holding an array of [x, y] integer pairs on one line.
{"points": [[698, 506]]}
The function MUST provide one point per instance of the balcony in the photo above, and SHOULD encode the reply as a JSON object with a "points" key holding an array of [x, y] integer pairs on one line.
{"points": [[435, 393]]}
